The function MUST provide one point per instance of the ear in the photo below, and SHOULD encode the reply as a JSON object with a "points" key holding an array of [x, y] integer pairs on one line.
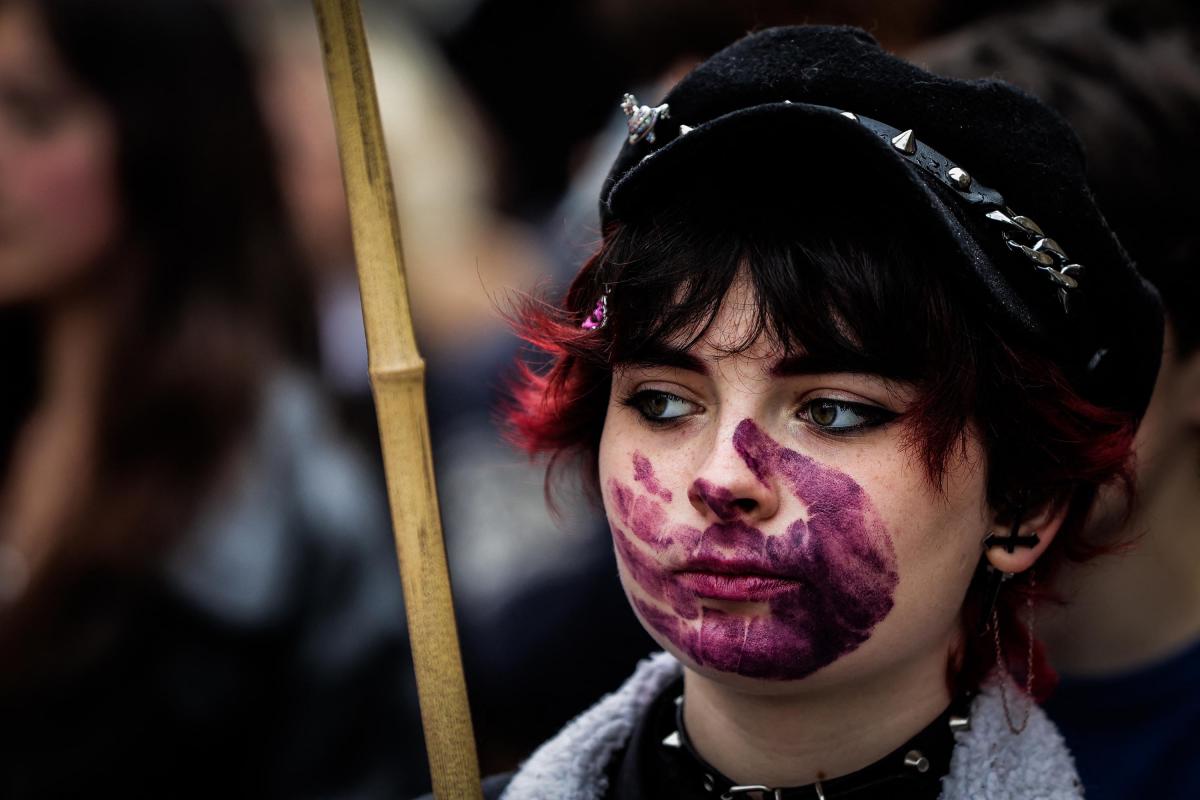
{"points": [[1045, 523]]}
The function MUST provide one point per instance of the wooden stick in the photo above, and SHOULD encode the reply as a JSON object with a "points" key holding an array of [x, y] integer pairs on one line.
{"points": [[398, 383]]}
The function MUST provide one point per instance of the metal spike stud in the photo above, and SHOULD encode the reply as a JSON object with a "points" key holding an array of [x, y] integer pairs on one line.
{"points": [[1069, 278], [1042, 259], [1048, 245], [961, 178], [960, 724], [673, 740], [1074, 270], [850, 116], [905, 142], [1005, 220], [685, 130], [1028, 224], [1063, 279]]}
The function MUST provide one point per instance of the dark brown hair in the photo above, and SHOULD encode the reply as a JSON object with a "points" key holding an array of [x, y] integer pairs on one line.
{"points": [[220, 288]]}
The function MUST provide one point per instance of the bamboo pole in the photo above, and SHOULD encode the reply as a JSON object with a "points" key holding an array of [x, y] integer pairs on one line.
{"points": [[398, 384]]}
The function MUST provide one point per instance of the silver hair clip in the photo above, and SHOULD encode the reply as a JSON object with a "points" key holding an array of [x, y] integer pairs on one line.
{"points": [[642, 119]]}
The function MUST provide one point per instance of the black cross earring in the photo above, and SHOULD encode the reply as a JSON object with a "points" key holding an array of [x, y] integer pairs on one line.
{"points": [[994, 578], [1012, 541]]}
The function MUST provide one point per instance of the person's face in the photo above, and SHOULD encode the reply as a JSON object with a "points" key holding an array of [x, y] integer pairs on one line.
{"points": [[58, 186], [772, 521]]}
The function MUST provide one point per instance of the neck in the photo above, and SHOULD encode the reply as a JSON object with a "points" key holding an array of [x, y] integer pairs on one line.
{"points": [[77, 336], [50, 469], [797, 739]]}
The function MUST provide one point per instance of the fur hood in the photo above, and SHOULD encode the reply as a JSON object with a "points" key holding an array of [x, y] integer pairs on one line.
{"points": [[989, 761]]}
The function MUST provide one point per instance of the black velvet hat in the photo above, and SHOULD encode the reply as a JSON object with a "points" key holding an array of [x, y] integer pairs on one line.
{"points": [[1000, 174]]}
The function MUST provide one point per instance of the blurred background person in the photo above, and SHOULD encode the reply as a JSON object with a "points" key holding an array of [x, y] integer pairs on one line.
{"points": [[1127, 641], [198, 593], [464, 255], [573, 59]]}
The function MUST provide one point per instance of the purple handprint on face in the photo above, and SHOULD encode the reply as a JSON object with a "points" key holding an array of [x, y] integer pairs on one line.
{"points": [[818, 588]]}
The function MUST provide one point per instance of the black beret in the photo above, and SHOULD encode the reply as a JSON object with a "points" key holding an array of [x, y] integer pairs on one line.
{"points": [[998, 171]]}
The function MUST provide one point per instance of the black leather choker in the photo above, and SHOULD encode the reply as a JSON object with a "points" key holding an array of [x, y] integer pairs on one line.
{"points": [[914, 770]]}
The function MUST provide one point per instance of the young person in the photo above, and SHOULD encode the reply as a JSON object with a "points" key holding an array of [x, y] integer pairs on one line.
{"points": [[847, 405]]}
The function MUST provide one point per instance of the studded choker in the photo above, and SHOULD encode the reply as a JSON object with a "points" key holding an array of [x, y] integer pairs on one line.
{"points": [[913, 770]]}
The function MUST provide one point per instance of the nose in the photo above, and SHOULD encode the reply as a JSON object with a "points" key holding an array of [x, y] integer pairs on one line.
{"points": [[726, 488]]}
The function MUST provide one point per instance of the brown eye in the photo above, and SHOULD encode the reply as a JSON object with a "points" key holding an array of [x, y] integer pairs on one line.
{"points": [[840, 416], [661, 406], [823, 412]]}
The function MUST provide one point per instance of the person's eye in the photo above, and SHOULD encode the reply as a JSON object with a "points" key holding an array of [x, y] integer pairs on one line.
{"points": [[658, 406], [842, 416]]}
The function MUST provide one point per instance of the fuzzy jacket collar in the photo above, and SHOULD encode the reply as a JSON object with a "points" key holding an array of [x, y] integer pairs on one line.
{"points": [[989, 761]]}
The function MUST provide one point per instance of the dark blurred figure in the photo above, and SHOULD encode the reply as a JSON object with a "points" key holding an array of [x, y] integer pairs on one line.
{"points": [[198, 596], [1127, 77], [548, 75]]}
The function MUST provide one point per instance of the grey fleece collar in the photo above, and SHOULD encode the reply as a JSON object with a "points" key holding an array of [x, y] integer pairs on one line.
{"points": [[989, 761]]}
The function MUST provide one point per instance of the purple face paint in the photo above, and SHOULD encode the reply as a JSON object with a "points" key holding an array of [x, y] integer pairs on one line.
{"points": [[822, 584], [643, 473]]}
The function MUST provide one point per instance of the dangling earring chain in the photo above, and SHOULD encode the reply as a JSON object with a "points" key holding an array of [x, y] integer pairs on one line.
{"points": [[1002, 664]]}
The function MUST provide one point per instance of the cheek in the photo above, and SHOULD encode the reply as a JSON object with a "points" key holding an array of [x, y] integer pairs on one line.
{"points": [[60, 213], [658, 465], [938, 537], [830, 570]]}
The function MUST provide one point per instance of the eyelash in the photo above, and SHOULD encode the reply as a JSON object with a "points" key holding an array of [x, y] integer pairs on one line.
{"points": [[637, 400], [872, 416]]}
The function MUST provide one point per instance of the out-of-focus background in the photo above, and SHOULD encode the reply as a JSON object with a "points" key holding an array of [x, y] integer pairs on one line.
{"points": [[198, 591]]}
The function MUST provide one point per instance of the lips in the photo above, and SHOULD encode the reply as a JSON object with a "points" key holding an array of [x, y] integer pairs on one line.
{"points": [[826, 580], [736, 579], [737, 588]]}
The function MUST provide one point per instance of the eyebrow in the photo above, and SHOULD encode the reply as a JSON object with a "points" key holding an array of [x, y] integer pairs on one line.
{"points": [[658, 354], [808, 364]]}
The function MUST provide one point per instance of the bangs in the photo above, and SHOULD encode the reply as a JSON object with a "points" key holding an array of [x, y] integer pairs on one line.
{"points": [[858, 293], [857, 290]]}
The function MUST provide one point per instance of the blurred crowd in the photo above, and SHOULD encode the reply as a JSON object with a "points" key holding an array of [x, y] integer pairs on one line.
{"points": [[198, 590]]}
